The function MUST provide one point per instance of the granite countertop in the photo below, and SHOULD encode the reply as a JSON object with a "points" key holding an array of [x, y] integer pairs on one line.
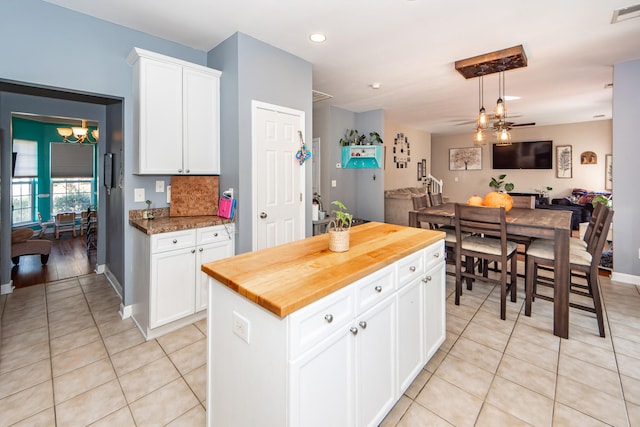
{"points": [[164, 223], [285, 278]]}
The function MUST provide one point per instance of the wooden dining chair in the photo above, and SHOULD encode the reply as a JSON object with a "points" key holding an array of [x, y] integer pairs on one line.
{"points": [[487, 240], [65, 222], [587, 261], [44, 225], [435, 199]]}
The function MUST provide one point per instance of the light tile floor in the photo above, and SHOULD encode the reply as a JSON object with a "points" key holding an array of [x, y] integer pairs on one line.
{"points": [[68, 359]]}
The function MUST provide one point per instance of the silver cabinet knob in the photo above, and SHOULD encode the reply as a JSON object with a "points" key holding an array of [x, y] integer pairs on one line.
{"points": [[201, 249], [188, 171], [426, 279], [179, 170], [193, 251], [353, 330], [175, 241], [263, 215], [363, 324], [412, 268], [378, 288], [215, 234], [437, 255], [328, 318]]}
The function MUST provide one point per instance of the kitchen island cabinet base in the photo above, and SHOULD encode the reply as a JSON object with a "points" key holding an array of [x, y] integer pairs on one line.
{"points": [[344, 350]]}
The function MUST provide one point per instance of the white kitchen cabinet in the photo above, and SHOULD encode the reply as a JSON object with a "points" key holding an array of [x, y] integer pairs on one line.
{"points": [[176, 115], [435, 306], [168, 283], [344, 359]]}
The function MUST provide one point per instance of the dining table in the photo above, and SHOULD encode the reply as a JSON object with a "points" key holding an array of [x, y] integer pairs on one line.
{"points": [[536, 223]]}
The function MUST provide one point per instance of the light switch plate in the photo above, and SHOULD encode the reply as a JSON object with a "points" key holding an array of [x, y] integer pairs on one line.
{"points": [[159, 186], [138, 195]]}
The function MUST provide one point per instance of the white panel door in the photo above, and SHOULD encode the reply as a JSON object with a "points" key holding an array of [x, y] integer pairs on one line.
{"points": [[278, 180]]}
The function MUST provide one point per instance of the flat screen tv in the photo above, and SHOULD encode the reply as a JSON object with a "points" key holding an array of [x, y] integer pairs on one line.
{"points": [[523, 155]]}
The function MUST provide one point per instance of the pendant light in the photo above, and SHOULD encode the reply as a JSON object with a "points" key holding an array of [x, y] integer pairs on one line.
{"points": [[483, 120], [501, 109]]}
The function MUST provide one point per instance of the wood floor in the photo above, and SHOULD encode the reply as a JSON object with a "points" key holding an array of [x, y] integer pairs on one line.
{"points": [[69, 258]]}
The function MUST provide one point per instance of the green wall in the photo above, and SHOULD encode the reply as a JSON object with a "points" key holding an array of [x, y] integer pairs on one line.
{"points": [[44, 133]]}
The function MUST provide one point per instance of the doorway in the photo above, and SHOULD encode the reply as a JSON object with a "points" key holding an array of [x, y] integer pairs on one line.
{"points": [[109, 113], [278, 177], [54, 172]]}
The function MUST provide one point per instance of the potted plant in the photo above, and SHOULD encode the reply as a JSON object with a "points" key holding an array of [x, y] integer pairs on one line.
{"points": [[498, 184], [353, 137], [339, 228]]}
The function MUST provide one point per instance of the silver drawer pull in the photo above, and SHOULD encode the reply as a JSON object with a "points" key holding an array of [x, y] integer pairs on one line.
{"points": [[412, 268], [363, 324], [175, 241], [378, 288], [353, 330], [437, 255], [328, 318], [426, 279]]}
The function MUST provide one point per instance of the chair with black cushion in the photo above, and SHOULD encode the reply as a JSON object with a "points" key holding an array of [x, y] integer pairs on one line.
{"points": [[487, 241], [586, 261]]}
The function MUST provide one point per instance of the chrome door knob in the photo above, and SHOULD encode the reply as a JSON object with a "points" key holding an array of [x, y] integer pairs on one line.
{"points": [[263, 215]]}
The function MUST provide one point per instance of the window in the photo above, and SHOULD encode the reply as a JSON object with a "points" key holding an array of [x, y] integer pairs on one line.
{"points": [[22, 200], [71, 194], [25, 171]]}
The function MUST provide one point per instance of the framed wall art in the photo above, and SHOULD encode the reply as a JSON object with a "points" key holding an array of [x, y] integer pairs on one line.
{"points": [[564, 165], [608, 172], [462, 159]]}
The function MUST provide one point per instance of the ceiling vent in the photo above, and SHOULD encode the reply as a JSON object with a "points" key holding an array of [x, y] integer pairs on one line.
{"points": [[625, 13], [319, 96]]}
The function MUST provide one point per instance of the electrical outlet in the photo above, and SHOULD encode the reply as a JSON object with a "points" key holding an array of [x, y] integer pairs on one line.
{"points": [[138, 195], [159, 186], [333, 183], [240, 326]]}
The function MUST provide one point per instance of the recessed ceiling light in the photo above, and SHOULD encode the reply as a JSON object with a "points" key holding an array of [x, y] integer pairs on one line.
{"points": [[318, 38]]}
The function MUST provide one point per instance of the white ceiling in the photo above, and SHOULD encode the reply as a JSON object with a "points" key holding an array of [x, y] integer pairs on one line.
{"points": [[410, 47]]}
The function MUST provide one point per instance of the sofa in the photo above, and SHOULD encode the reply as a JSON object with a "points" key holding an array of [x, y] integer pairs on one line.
{"points": [[22, 244], [579, 203], [398, 203]]}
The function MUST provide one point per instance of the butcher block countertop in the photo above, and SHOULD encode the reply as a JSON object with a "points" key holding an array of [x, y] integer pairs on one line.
{"points": [[166, 224], [285, 278]]}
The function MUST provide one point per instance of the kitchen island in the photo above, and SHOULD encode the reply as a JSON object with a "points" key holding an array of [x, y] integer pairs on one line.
{"points": [[299, 335]]}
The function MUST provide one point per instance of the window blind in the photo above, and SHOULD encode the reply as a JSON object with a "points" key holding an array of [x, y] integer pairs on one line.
{"points": [[26, 163], [71, 160]]}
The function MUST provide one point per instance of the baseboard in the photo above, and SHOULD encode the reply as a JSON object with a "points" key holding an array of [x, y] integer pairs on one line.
{"points": [[625, 278], [115, 284], [125, 312], [7, 288]]}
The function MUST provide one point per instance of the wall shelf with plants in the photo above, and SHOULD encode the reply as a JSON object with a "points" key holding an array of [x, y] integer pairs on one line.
{"points": [[360, 151]]}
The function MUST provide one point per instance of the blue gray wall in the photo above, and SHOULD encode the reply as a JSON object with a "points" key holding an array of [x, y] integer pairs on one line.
{"points": [[626, 174], [356, 188], [253, 70], [38, 50]]}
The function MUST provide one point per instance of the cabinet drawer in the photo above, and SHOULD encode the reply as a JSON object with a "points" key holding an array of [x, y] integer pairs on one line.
{"points": [[374, 288], [175, 240], [315, 322], [217, 233], [410, 267], [433, 255]]}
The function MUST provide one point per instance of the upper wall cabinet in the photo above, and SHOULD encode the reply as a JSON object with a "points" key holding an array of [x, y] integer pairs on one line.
{"points": [[176, 115]]}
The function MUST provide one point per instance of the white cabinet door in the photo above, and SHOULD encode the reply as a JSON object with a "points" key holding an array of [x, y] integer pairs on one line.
{"points": [[376, 374], [160, 117], [201, 132], [435, 303], [205, 254], [321, 387], [411, 335], [172, 290]]}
